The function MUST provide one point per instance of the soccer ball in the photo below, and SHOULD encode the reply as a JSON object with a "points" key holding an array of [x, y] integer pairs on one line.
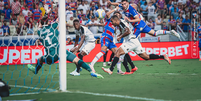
{"points": [[100, 13]]}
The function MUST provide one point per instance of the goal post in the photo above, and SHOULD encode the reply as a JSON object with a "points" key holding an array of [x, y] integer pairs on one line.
{"points": [[62, 49]]}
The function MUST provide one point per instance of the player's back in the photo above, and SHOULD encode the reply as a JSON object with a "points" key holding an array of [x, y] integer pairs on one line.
{"points": [[108, 30], [49, 36]]}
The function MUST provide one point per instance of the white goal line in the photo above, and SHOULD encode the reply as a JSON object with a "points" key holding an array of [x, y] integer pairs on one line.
{"points": [[89, 93]]}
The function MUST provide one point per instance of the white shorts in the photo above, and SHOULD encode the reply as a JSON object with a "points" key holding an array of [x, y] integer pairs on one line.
{"points": [[87, 47], [132, 45]]}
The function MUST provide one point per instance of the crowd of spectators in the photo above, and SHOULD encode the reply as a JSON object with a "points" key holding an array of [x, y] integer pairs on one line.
{"points": [[25, 14]]}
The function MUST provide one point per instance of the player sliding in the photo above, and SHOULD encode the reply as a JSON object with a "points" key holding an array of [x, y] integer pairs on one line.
{"points": [[135, 19], [86, 44], [49, 36], [131, 43], [107, 41]]}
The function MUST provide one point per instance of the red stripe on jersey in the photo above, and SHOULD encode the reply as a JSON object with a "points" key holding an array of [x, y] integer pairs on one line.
{"points": [[106, 23], [108, 32], [111, 25]]}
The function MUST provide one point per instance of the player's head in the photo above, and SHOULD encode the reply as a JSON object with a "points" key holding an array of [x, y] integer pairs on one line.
{"points": [[115, 20], [125, 4], [44, 21], [117, 13], [76, 24]]}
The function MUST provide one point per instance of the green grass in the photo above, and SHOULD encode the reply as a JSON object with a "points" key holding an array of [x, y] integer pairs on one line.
{"points": [[154, 79]]}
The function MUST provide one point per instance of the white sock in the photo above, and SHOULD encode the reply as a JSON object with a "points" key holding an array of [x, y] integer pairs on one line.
{"points": [[161, 32], [119, 66], [97, 57]]}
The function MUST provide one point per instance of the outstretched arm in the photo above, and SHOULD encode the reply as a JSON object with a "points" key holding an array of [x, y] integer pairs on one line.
{"points": [[136, 19], [112, 3], [127, 32], [110, 12], [80, 44]]}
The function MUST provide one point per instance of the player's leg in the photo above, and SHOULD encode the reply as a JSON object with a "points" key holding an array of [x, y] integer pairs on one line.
{"points": [[72, 58], [98, 56], [46, 58], [145, 56], [150, 31], [38, 66], [85, 50], [133, 67], [105, 43], [104, 58], [111, 57], [119, 52]]}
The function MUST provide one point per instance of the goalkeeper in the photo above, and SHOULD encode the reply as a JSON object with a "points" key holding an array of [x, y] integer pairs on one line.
{"points": [[49, 36]]}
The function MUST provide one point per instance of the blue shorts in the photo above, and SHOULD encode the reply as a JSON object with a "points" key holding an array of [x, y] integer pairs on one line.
{"points": [[199, 43], [145, 30], [105, 41]]}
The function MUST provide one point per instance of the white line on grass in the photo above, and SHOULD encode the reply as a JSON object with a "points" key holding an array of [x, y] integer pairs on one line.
{"points": [[89, 93], [19, 86], [120, 96]]}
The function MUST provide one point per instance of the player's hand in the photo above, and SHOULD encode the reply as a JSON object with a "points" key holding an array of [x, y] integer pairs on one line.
{"points": [[73, 49], [108, 2], [126, 18], [118, 38], [117, 7]]}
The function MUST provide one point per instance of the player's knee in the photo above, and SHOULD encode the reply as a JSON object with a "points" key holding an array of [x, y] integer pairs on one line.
{"points": [[103, 52]]}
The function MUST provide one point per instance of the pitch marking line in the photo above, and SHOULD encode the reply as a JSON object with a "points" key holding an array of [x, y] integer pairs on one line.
{"points": [[89, 93]]}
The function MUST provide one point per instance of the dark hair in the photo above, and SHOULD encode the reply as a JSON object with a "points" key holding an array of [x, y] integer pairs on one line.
{"points": [[76, 20], [44, 20], [124, 0], [117, 12], [114, 17]]}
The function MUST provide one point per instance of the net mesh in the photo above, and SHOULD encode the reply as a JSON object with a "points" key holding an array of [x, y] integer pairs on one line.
{"points": [[18, 51]]}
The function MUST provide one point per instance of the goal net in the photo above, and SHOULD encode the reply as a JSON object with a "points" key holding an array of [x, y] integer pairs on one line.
{"points": [[18, 51]]}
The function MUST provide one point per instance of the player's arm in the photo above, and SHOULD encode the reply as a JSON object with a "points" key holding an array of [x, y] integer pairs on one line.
{"points": [[136, 19], [80, 44], [76, 40], [110, 12], [112, 3], [126, 32]]}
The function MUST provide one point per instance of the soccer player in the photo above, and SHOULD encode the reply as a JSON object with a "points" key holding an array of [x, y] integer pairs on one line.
{"points": [[131, 43], [107, 41], [139, 25], [86, 44], [49, 36]]}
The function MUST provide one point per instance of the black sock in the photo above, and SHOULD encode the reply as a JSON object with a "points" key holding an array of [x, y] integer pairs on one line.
{"points": [[38, 66], [104, 56], [78, 66], [126, 65], [154, 56], [129, 60], [111, 56], [116, 59], [80, 56]]}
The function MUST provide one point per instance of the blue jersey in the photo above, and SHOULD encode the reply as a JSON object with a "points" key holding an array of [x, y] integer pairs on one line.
{"points": [[139, 27], [108, 30], [107, 36], [199, 31]]}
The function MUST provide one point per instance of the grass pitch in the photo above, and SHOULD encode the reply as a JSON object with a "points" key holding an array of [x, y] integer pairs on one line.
{"points": [[154, 80]]}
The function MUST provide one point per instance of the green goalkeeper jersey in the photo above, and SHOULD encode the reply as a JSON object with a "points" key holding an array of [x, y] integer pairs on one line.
{"points": [[49, 37]]}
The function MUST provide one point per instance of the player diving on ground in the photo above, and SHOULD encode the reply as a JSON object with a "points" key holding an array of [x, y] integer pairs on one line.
{"points": [[49, 36]]}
